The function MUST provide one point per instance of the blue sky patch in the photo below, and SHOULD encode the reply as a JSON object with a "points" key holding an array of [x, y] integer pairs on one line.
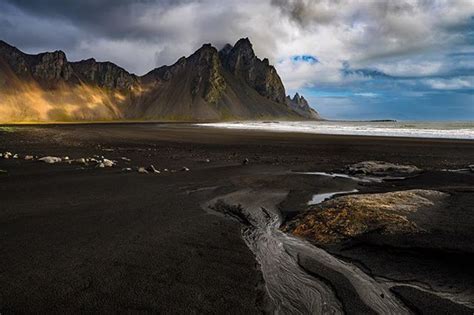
{"points": [[304, 58]]}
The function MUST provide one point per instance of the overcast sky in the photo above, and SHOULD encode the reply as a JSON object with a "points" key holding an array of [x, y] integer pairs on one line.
{"points": [[360, 59]]}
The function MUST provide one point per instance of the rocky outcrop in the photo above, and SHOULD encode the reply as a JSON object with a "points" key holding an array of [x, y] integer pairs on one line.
{"points": [[347, 217], [300, 105], [382, 168], [242, 62], [104, 74], [232, 83], [45, 68]]}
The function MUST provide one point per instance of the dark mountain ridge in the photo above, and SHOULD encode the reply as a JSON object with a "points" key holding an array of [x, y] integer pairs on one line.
{"points": [[212, 85]]}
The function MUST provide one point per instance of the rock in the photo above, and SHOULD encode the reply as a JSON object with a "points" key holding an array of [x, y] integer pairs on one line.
{"points": [[126, 169], [29, 157], [80, 161], [101, 165], [152, 169], [66, 158], [381, 168], [207, 160], [142, 170], [346, 217], [3, 172], [15, 156], [242, 62], [165, 170], [300, 105], [245, 161], [471, 168], [125, 159], [185, 169], [108, 163], [50, 159], [235, 79], [7, 155]]}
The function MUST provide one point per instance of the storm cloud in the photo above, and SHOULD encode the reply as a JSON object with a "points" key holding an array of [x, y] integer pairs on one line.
{"points": [[429, 42]]}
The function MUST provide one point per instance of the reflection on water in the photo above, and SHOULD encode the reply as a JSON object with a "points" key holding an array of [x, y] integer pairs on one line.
{"points": [[318, 198]]}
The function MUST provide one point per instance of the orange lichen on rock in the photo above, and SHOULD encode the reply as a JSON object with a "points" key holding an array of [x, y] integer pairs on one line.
{"points": [[346, 217]]}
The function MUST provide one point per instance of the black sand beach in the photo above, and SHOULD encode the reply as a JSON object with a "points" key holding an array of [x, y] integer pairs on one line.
{"points": [[77, 238]]}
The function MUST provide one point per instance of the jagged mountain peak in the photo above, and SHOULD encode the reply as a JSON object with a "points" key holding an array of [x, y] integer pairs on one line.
{"points": [[299, 104], [232, 83]]}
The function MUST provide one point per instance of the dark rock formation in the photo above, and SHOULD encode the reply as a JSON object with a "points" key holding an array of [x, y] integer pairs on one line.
{"points": [[104, 74], [232, 83], [300, 105], [241, 61]]}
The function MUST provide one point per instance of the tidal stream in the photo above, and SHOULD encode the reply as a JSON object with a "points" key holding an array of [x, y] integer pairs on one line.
{"points": [[290, 287]]}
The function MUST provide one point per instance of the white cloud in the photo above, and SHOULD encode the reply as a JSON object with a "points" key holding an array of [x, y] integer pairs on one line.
{"points": [[466, 82], [367, 94], [140, 35]]}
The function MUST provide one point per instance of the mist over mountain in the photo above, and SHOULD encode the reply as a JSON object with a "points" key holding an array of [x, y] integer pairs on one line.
{"points": [[209, 85]]}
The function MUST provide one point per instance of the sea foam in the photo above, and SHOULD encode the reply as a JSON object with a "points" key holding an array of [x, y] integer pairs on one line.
{"points": [[447, 130]]}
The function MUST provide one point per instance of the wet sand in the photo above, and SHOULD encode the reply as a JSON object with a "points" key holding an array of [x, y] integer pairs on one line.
{"points": [[87, 239]]}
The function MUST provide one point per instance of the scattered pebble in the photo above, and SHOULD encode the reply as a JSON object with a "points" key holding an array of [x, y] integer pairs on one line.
{"points": [[185, 169], [125, 159], [29, 157], [101, 165], [7, 155], [3, 172], [80, 161], [152, 169], [15, 156], [50, 159], [207, 160], [245, 161], [142, 170], [126, 169], [108, 163]]}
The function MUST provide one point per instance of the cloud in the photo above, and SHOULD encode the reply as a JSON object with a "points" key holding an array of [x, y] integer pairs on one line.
{"points": [[451, 84], [398, 46], [366, 94]]}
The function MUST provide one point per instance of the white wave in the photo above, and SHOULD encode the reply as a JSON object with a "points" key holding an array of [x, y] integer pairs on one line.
{"points": [[447, 130]]}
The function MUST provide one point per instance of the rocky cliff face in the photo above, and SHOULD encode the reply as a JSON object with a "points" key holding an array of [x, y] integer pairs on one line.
{"points": [[300, 105], [232, 83], [104, 74], [241, 61]]}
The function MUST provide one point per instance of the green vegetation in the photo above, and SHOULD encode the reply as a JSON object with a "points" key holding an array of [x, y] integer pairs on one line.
{"points": [[7, 129]]}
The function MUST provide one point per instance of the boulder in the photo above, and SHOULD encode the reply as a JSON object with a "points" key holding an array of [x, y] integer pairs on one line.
{"points": [[347, 217], [142, 170], [152, 169], [381, 168], [108, 163], [50, 159]]}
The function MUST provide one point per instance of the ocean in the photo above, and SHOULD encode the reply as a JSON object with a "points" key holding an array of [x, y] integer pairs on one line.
{"points": [[418, 129]]}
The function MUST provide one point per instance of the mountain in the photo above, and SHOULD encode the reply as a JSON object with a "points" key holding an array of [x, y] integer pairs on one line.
{"points": [[209, 85], [300, 105]]}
